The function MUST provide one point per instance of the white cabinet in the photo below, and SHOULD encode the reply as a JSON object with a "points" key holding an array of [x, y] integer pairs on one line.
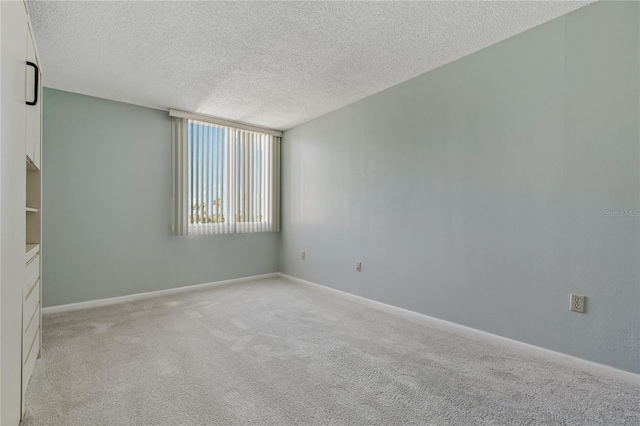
{"points": [[20, 210], [30, 322], [32, 289], [13, 36], [33, 95]]}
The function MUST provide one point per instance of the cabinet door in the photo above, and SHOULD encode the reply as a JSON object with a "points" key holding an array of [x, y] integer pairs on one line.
{"points": [[13, 39], [33, 93]]}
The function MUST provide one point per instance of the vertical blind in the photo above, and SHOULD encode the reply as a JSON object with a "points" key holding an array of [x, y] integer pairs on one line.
{"points": [[225, 179]]}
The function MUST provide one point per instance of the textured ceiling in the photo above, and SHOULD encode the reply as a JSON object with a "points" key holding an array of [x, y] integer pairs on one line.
{"points": [[275, 64]]}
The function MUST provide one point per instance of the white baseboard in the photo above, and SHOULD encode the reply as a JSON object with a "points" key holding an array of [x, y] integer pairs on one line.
{"points": [[590, 367], [149, 295]]}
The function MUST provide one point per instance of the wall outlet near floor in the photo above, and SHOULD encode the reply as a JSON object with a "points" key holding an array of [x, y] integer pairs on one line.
{"points": [[358, 266], [577, 303], [302, 255]]}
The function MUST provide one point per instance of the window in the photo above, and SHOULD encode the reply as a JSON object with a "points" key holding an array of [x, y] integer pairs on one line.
{"points": [[226, 179]]}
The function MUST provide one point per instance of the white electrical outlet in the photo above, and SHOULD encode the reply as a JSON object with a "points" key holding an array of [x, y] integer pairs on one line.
{"points": [[302, 255], [577, 303], [358, 266]]}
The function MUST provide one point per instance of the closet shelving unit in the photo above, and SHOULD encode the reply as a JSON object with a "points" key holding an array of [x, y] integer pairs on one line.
{"points": [[32, 291], [21, 208]]}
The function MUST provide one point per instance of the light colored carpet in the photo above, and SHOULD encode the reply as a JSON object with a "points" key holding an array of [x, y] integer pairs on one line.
{"points": [[277, 353]]}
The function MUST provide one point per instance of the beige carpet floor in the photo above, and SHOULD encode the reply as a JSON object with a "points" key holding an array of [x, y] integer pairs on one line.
{"points": [[273, 352]]}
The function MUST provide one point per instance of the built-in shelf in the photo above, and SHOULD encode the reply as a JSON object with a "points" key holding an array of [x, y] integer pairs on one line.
{"points": [[31, 166], [32, 210], [30, 251]]}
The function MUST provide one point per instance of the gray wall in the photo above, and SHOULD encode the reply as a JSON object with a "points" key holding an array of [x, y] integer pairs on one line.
{"points": [[478, 192], [107, 208]]}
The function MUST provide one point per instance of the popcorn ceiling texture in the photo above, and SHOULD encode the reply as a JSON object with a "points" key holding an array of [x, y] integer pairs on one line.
{"points": [[276, 64], [272, 352]]}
